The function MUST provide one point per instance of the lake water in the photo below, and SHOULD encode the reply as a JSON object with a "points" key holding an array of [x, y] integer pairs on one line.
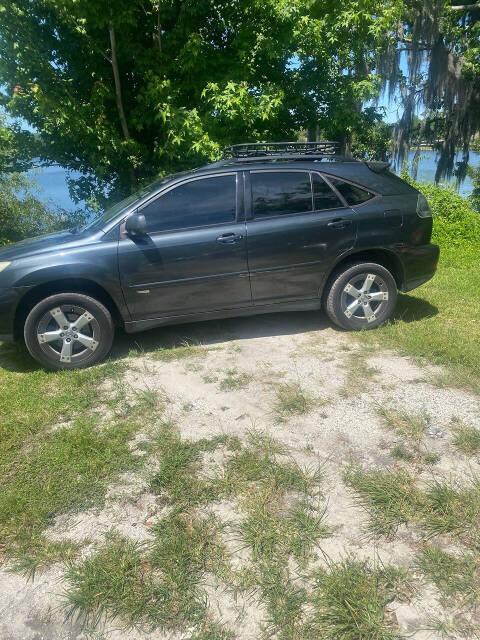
{"points": [[52, 180]]}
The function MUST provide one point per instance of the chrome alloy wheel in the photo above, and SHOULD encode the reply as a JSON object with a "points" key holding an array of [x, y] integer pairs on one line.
{"points": [[364, 297], [68, 333]]}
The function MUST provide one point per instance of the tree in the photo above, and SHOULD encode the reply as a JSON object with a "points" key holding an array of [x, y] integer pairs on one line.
{"points": [[129, 91], [442, 43]]}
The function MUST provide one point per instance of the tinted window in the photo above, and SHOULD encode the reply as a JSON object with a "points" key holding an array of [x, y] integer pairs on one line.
{"points": [[280, 193], [324, 196], [193, 204], [353, 195]]}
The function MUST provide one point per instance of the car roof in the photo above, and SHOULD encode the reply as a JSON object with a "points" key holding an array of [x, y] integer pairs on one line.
{"points": [[374, 176]]}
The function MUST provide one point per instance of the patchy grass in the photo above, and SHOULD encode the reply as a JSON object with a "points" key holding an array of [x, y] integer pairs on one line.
{"points": [[431, 458], [178, 477], [392, 498], [403, 423], [291, 400], [162, 581], [358, 372], [453, 627], [271, 529], [156, 584], [235, 380], [71, 468], [466, 439], [456, 577], [280, 502], [351, 599], [438, 321], [180, 352], [51, 460], [284, 599], [400, 452]]}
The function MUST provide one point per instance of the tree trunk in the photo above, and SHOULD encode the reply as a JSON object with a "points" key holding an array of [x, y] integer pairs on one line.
{"points": [[312, 133], [118, 86]]}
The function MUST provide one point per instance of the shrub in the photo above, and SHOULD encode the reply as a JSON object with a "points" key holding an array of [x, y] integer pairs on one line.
{"points": [[474, 173], [454, 221]]}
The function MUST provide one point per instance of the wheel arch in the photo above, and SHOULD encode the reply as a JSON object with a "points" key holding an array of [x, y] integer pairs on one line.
{"points": [[64, 285], [384, 257]]}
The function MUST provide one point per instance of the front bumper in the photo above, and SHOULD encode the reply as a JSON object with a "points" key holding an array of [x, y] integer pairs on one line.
{"points": [[9, 299], [419, 264]]}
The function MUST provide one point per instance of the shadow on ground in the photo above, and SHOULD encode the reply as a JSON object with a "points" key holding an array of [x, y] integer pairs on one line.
{"points": [[212, 332], [412, 309], [14, 357]]}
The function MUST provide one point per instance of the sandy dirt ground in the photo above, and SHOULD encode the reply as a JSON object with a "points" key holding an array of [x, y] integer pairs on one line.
{"points": [[347, 382]]}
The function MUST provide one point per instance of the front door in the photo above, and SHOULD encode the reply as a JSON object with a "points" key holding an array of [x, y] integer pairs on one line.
{"points": [[193, 258], [297, 226]]}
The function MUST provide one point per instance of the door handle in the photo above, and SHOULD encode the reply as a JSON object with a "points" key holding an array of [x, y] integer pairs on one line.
{"points": [[339, 223], [229, 238]]}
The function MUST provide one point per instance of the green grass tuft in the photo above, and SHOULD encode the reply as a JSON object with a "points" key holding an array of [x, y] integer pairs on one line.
{"points": [[351, 599], [456, 577], [410, 425], [157, 585], [400, 452], [291, 400], [181, 352], [467, 439], [235, 380], [392, 498]]}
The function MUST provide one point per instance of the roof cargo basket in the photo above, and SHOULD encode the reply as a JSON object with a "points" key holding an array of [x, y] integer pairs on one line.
{"points": [[282, 149]]}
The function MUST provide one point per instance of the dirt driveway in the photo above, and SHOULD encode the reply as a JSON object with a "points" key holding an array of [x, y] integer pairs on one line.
{"points": [[332, 403]]}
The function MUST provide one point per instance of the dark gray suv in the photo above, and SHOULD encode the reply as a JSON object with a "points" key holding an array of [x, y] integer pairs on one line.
{"points": [[273, 227]]}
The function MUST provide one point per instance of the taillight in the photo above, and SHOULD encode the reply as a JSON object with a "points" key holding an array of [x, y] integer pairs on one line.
{"points": [[423, 210]]}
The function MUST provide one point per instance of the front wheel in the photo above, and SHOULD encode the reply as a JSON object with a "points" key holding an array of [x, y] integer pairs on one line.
{"points": [[69, 331], [361, 296]]}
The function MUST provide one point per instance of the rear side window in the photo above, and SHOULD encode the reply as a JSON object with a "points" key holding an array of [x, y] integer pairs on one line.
{"points": [[323, 194], [276, 193], [197, 203], [352, 194]]}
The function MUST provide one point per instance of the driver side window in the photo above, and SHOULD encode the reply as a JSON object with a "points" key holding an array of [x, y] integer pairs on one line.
{"points": [[198, 203]]}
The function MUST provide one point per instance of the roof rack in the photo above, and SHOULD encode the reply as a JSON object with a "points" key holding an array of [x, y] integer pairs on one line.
{"points": [[281, 149]]}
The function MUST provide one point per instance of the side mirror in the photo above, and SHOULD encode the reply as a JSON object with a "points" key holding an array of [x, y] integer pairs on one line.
{"points": [[136, 225]]}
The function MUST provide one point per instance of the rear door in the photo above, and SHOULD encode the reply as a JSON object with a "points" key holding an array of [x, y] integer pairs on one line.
{"points": [[297, 224], [194, 256]]}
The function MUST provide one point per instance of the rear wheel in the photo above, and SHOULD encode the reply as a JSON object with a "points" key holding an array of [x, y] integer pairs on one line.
{"points": [[69, 331], [362, 296]]}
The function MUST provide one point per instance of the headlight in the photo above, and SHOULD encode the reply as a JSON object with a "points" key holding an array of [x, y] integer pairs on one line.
{"points": [[423, 210], [4, 265]]}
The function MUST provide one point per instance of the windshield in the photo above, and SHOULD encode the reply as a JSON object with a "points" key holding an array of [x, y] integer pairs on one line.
{"points": [[109, 214]]}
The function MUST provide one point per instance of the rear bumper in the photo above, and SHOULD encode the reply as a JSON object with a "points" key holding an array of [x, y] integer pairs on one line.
{"points": [[419, 264]]}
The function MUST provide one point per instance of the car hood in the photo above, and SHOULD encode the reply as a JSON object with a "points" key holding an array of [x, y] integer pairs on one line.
{"points": [[40, 244]]}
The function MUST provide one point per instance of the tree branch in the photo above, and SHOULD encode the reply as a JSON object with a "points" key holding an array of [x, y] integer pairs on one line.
{"points": [[159, 29], [465, 7], [118, 86]]}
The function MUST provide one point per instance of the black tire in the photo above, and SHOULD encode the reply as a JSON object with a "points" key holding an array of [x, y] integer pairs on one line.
{"points": [[56, 348], [366, 312]]}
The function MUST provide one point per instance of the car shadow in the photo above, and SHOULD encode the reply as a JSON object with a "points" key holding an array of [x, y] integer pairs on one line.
{"points": [[15, 357], [212, 332], [412, 309]]}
